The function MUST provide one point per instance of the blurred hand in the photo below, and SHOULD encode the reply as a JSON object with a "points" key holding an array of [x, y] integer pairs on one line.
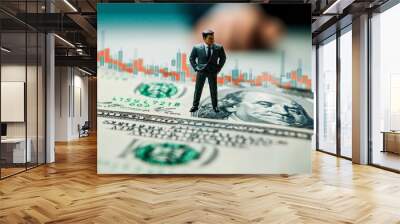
{"points": [[241, 27]]}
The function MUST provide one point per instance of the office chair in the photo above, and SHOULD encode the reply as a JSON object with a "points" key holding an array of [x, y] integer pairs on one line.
{"points": [[84, 130]]}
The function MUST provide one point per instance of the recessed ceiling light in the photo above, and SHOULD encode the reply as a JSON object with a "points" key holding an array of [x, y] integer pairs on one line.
{"points": [[337, 7], [5, 50], [84, 71], [64, 40], [70, 5]]}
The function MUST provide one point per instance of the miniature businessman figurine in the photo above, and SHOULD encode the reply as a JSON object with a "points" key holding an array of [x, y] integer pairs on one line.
{"points": [[207, 59]]}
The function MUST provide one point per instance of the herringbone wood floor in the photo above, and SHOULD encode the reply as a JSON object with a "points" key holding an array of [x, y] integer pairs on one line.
{"points": [[70, 191]]}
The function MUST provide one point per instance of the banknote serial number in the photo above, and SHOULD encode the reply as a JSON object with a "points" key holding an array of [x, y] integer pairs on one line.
{"points": [[134, 102]]}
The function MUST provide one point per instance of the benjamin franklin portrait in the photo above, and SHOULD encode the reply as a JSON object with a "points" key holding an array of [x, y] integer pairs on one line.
{"points": [[259, 106]]}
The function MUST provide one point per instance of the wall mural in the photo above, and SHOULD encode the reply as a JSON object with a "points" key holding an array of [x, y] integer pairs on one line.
{"points": [[204, 88]]}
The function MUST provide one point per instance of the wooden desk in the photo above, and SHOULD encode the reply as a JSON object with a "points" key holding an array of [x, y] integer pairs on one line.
{"points": [[391, 141], [15, 148]]}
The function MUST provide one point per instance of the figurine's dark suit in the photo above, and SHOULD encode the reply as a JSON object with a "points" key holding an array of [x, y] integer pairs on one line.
{"points": [[209, 63]]}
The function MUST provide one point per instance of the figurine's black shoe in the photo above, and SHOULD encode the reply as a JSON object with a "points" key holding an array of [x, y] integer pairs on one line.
{"points": [[193, 109], [216, 109]]}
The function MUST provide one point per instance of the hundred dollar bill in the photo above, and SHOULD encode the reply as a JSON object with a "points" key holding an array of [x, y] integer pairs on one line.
{"points": [[143, 143], [243, 105]]}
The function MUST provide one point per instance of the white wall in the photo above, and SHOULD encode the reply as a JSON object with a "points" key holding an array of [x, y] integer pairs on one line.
{"points": [[62, 82], [11, 73], [80, 110], [71, 102], [16, 73]]}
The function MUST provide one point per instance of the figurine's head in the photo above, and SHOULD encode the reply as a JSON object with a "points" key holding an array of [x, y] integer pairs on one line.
{"points": [[208, 37]]}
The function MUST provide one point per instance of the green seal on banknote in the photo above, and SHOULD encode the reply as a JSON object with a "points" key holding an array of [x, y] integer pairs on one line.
{"points": [[158, 90], [166, 154]]}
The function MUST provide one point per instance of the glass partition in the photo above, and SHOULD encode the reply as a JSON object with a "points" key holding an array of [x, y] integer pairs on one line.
{"points": [[385, 89], [32, 97], [41, 97], [14, 153], [346, 93], [327, 96], [22, 77]]}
